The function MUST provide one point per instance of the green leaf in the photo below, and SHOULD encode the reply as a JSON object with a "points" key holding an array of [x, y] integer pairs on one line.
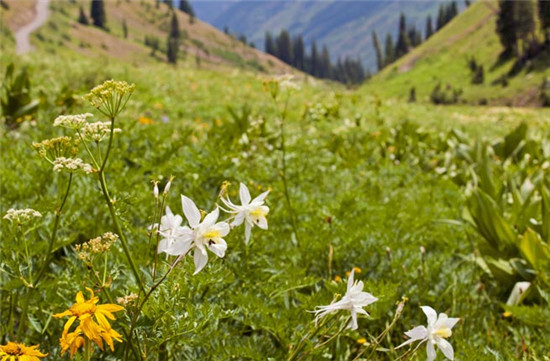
{"points": [[534, 250]]}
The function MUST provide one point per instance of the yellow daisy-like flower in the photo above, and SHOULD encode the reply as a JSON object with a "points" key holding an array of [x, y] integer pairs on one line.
{"points": [[93, 324], [13, 351]]}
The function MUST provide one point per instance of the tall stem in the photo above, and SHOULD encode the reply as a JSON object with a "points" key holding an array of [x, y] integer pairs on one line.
{"points": [[87, 350], [112, 211]]}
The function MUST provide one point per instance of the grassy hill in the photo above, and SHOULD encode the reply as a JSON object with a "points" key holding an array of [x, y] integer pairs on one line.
{"points": [[444, 59], [202, 44]]}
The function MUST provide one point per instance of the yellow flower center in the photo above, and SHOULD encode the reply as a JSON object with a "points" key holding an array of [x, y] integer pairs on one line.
{"points": [[443, 332], [258, 212], [211, 236]]}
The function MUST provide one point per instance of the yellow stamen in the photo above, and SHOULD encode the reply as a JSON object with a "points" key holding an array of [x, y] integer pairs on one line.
{"points": [[443, 332], [258, 212], [212, 235]]}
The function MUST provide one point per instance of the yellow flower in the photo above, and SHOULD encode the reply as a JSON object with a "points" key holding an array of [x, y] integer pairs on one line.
{"points": [[362, 341], [145, 120], [13, 351], [93, 323]]}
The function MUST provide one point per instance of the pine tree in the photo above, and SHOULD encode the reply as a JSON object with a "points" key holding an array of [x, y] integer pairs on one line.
{"points": [[378, 49], [390, 56], [173, 40], [298, 52], [524, 15], [467, 3], [453, 10], [314, 61], [82, 18], [284, 47], [325, 64], [269, 44], [97, 13], [506, 26], [544, 16], [186, 7], [440, 17], [429, 27], [403, 41], [124, 29]]}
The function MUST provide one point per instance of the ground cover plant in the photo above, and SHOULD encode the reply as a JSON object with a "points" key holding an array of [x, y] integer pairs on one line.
{"points": [[371, 208]]}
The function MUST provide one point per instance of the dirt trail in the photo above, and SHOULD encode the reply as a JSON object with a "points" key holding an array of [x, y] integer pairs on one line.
{"points": [[22, 35]]}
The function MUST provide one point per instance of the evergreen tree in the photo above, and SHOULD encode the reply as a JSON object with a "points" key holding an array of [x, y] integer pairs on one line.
{"points": [[467, 3], [390, 57], [440, 17], [429, 27], [298, 52], [325, 65], [453, 10], [524, 15], [82, 18], [378, 49], [186, 7], [403, 41], [506, 26], [544, 16], [284, 47], [314, 60], [124, 29], [269, 44], [97, 13], [173, 40]]}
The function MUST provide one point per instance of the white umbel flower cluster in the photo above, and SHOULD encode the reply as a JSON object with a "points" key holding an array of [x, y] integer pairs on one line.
{"points": [[97, 131], [72, 165], [21, 216], [76, 121]]}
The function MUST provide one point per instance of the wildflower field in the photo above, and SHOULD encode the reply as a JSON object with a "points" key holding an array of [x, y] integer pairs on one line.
{"points": [[182, 214]]}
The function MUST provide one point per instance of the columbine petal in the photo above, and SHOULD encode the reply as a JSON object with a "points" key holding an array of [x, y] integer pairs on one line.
{"points": [[448, 322], [430, 350], [244, 194], [430, 314], [180, 247], [218, 248], [446, 348], [417, 333], [191, 211], [353, 322], [350, 280], [262, 222], [239, 218], [200, 259], [247, 231], [223, 228], [260, 198], [211, 218]]}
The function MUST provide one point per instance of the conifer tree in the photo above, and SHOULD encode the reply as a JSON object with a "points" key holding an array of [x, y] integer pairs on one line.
{"points": [[269, 44], [325, 63], [82, 18], [544, 16], [440, 17], [124, 29], [429, 27], [97, 13], [284, 47], [390, 57], [378, 49], [298, 52], [314, 60], [186, 7], [173, 40], [403, 41], [506, 26], [525, 20]]}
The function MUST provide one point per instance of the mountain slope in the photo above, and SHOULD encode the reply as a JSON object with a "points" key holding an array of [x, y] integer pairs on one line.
{"points": [[345, 27], [444, 59], [202, 44]]}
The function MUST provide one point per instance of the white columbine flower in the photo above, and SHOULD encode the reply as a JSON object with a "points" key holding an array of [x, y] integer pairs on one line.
{"points": [[250, 212], [205, 234], [439, 328], [177, 240], [354, 300]]}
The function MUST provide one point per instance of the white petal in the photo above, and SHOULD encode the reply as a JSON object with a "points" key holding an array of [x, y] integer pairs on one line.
{"points": [[245, 194], [430, 349], [350, 279], [260, 198], [239, 218], [218, 248], [191, 211], [247, 230], [445, 347], [353, 323], [261, 222], [449, 322], [164, 244], [200, 259], [180, 247], [222, 227], [417, 333], [211, 217], [430, 314]]}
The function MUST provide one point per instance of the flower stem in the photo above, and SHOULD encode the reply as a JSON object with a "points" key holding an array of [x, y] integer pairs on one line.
{"points": [[87, 350]]}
